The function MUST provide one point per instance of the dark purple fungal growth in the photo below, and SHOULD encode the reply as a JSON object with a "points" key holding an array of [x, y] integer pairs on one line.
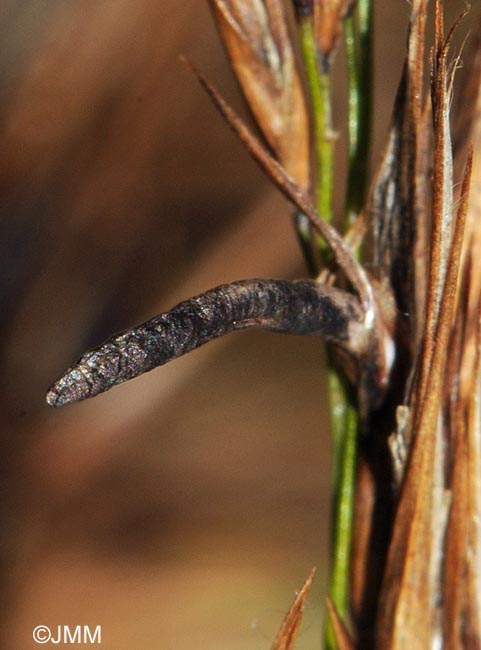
{"points": [[303, 308]]}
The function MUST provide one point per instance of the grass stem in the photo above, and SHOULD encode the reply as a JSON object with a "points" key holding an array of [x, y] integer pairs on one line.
{"points": [[358, 44], [319, 83], [344, 431], [343, 412]]}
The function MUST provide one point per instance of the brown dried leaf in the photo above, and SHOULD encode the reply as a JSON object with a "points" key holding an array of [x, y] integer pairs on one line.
{"points": [[410, 615], [462, 588], [467, 489], [472, 618], [341, 633], [455, 593], [405, 618], [466, 100], [442, 225], [287, 634], [329, 16], [467, 129], [395, 204], [257, 40], [361, 569]]}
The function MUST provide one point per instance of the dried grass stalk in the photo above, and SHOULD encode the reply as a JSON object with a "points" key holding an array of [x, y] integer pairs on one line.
{"points": [[287, 634]]}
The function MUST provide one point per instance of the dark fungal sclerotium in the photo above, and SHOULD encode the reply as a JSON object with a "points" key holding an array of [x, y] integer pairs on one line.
{"points": [[303, 307]]}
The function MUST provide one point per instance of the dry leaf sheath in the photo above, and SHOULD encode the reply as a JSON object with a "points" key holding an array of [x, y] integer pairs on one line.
{"points": [[287, 634], [411, 613]]}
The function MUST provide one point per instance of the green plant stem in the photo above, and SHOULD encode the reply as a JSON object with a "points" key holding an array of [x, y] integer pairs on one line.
{"points": [[358, 43], [343, 413], [344, 431], [343, 416], [320, 93]]}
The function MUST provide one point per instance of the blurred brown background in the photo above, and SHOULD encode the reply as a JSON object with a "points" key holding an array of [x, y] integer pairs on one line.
{"points": [[181, 510]]}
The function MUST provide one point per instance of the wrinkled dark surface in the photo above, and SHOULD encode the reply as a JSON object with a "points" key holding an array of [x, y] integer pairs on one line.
{"points": [[303, 307]]}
